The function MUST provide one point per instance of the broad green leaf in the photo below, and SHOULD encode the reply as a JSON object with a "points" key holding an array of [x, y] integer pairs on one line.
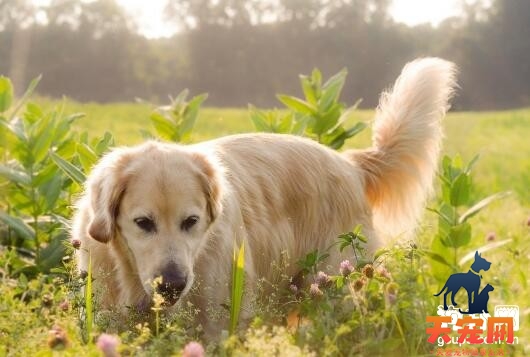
{"points": [[45, 175], [73, 117], [42, 140], [472, 163], [103, 145], [380, 252], [436, 257], [457, 162], [15, 128], [6, 94], [181, 98], [309, 91], [441, 270], [32, 85], [51, 191], [316, 81], [326, 121], [68, 148], [69, 169], [297, 104], [300, 124], [285, 124], [86, 156], [334, 140], [460, 235], [190, 116], [259, 119], [480, 205], [164, 127], [14, 175], [33, 112], [346, 114], [18, 225], [51, 256], [331, 90], [238, 281], [63, 127], [356, 129], [460, 190]]}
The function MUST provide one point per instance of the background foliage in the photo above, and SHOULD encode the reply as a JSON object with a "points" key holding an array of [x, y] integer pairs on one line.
{"points": [[228, 49]]}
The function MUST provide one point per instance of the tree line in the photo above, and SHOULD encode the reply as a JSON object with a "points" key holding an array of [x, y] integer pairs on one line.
{"points": [[245, 51]]}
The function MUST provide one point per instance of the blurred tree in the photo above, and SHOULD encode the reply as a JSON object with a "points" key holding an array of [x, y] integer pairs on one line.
{"points": [[242, 51]]}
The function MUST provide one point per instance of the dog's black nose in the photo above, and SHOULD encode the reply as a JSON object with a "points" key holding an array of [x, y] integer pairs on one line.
{"points": [[173, 283]]}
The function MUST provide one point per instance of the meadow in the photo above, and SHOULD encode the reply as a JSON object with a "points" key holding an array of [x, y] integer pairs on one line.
{"points": [[369, 313]]}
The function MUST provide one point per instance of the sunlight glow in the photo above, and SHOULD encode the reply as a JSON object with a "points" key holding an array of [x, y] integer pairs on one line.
{"points": [[149, 14], [415, 12]]}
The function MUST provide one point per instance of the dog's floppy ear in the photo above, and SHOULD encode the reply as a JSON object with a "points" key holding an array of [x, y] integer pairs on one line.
{"points": [[209, 175], [105, 187]]}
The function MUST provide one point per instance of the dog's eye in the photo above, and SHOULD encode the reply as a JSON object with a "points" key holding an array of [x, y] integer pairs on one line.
{"points": [[189, 222], [146, 224]]}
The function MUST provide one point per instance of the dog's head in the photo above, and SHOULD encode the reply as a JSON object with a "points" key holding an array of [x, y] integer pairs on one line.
{"points": [[157, 202], [480, 263]]}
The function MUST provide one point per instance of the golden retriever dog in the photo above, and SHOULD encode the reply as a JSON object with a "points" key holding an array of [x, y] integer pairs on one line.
{"points": [[177, 212]]}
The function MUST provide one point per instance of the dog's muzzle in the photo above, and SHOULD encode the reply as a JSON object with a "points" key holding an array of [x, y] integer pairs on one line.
{"points": [[173, 283]]}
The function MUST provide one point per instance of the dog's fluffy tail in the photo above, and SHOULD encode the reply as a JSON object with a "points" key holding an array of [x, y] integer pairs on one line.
{"points": [[400, 167]]}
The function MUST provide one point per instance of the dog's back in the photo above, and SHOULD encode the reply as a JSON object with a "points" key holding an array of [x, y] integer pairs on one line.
{"points": [[310, 195]]}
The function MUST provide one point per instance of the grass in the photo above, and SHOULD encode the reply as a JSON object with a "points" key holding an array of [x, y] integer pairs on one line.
{"points": [[30, 308]]}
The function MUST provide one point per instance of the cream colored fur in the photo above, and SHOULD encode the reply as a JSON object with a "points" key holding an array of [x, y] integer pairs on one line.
{"points": [[280, 195]]}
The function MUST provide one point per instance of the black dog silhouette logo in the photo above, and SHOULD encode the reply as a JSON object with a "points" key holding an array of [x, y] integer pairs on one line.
{"points": [[470, 281]]}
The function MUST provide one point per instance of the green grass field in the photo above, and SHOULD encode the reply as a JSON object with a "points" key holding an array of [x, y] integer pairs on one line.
{"points": [[501, 139]]}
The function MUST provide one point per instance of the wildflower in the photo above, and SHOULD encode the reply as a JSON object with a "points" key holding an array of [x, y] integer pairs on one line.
{"points": [[47, 300], [107, 344], [381, 271], [315, 291], [76, 243], [57, 337], [391, 293], [368, 271], [346, 268], [322, 279], [64, 305], [490, 237], [193, 349], [358, 284], [392, 288], [391, 298]]}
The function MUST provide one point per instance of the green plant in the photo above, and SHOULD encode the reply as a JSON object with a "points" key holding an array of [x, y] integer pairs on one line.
{"points": [[89, 303], [320, 115], [36, 194], [175, 122], [238, 284], [454, 228], [354, 239]]}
